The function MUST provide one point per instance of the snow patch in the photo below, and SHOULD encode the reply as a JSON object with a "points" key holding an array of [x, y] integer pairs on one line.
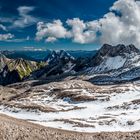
{"points": [[116, 114]]}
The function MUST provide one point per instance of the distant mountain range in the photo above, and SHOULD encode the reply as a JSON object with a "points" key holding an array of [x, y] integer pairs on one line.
{"points": [[41, 55], [109, 65]]}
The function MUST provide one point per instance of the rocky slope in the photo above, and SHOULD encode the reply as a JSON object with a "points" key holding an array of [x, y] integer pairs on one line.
{"points": [[3, 61], [59, 62], [115, 64], [110, 58], [12, 71], [20, 129]]}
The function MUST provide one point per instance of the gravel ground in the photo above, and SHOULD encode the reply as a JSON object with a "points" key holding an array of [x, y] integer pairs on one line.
{"points": [[15, 129]]}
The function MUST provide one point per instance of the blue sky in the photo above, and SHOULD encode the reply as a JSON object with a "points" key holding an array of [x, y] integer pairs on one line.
{"points": [[48, 10], [66, 24]]}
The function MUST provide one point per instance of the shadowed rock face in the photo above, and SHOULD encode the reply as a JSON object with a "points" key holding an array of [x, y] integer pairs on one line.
{"points": [[8, 77], [112, 51], [108, 50], [12, 71], [59, 62], [115, 64]]}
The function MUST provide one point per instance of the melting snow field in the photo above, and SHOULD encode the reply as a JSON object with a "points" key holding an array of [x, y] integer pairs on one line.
{"points": [[120, 113]]}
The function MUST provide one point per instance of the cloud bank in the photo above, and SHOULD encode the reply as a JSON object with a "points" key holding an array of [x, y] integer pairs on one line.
{"points": [[24, 19], [6, 37], [120, 25]]}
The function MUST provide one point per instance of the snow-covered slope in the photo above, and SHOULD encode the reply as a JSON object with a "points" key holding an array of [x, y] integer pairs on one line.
{"points": [[77, 105], [111, 58], [115, 64], [110, 63]]}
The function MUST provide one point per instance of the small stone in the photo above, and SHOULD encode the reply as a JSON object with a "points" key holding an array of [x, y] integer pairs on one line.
{"points": [[130, 122]]}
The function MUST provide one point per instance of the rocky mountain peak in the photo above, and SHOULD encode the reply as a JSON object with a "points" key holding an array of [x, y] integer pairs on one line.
{"points": [[3, 61], [56, 56], [114, 57], [108, 50], [21, 61], [63, 54], [3, 57]]}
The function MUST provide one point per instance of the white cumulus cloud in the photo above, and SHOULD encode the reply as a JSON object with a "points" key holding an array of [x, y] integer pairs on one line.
{"points": [[51, 31], [51, 39], [120, 25], [5, 37]]}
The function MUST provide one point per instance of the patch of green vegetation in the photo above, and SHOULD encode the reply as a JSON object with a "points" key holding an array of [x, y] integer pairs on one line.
{"points": [[25, 68], [10, 66], [24, 72]]}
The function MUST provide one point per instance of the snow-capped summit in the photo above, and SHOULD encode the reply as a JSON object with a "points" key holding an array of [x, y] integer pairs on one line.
{"points": [[52, 55], [59, 62], [65, 55], [56, 56], [112, 58], [115, 64]]}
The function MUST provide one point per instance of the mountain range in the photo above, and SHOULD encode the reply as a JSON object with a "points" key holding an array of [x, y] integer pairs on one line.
{"points": [[109, 65], [41, 55], [99, 93]]}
